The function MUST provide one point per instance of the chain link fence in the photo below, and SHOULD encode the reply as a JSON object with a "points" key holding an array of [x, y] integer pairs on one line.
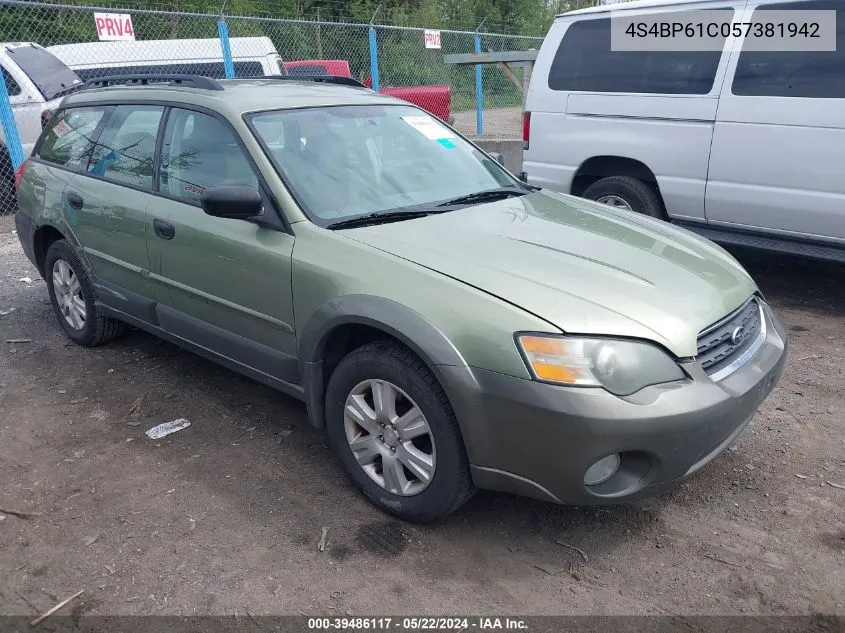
{"points": [[395, 59]]}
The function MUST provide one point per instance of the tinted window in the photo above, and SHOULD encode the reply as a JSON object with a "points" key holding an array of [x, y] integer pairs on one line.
{"points": [[307, 71], [795, 73], [11, 85], [51, 76], [207, 69], [199, 152], [70, 140], [126, 147], [585, 63]]}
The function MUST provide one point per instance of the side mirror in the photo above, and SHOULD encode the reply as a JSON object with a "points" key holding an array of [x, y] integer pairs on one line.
{"points": [[499, 158], [232, 202]]}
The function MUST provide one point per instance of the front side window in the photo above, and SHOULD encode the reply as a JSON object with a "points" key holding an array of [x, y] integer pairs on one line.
{"points": [[584, 62], [126, 148], [809, 74], [198, 152], [70, 141], [345, 161]]}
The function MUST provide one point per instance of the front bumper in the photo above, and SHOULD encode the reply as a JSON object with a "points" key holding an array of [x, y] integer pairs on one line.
{"points": [[538, 440]]}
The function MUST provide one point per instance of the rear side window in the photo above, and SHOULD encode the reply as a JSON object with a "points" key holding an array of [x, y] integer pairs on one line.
{"points": [[11, 85], [584, 62], [70, 141], [125, 150], [809, 74]]}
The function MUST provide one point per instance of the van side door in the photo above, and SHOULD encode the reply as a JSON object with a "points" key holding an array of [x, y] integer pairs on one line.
{"points": [[779, 143]]}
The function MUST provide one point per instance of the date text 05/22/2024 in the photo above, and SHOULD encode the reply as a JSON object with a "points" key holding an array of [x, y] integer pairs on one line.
{"points": [[456, 624]]}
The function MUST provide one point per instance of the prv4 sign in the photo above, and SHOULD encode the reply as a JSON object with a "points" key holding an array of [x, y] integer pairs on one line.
{"points": [[114, 26]]}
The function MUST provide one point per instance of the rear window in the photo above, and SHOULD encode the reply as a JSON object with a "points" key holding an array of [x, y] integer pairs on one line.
{"points": [[70, 141], [808, 74], [215, 70], [51, 76], [584, 62]]}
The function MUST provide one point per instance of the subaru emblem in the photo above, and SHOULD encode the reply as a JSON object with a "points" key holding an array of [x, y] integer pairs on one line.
{"points": [[737, 335]]}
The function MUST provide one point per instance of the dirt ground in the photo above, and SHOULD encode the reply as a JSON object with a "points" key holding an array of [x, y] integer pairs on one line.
{"points": [[224, 517]]}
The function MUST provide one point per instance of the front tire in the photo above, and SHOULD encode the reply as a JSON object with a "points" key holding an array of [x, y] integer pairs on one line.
{"points": [[391, 425], [73, 298], [628, 194]]}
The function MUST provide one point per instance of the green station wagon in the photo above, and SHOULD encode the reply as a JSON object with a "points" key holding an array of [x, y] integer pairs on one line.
{"points": [[450, 326]]}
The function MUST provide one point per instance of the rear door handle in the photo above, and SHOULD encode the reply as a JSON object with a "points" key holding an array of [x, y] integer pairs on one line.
{"points": [[75, 201], [165, 230]]}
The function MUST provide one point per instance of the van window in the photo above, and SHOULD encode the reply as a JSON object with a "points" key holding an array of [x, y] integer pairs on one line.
{"points": [[809, 74], [11, 85], [214, 70], [70, 141], [125, 150], [585, 63]]}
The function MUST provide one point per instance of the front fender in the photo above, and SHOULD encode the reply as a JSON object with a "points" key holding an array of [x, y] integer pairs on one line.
{"points": [[393, 318]]}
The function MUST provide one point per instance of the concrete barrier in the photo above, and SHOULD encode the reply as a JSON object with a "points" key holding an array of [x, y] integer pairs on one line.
{"points": [[511, 149]]}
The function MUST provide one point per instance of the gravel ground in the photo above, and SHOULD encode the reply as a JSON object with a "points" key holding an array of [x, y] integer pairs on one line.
{"points": [[498, 123], [224, 517]]}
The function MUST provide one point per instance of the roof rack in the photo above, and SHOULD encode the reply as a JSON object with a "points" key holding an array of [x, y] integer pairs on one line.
{"points": [[191, 81], [326, 79]]}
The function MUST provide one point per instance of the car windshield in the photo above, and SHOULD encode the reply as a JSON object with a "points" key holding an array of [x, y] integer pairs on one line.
{"points": [[52, 77], [346, 161]]}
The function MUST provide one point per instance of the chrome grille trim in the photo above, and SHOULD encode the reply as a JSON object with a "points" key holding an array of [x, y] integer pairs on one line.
{"points": [[749, 351]]}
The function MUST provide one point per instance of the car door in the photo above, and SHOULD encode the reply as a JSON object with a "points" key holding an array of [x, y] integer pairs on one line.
{"points": [[106, 206], [779, 141], [223, 284]]}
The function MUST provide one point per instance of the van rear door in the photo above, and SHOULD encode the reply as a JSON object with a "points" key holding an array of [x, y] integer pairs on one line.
{"points": [[779, 143]]}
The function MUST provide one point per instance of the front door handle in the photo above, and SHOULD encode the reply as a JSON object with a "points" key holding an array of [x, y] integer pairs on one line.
{"points": [[165, 230], [75, 201]]}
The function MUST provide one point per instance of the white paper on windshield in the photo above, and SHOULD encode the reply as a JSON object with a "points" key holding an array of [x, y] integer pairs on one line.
{"points": [[428, 127]]}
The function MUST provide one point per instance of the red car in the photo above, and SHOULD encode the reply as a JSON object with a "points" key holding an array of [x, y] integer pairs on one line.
{"points": [[434, 99]]}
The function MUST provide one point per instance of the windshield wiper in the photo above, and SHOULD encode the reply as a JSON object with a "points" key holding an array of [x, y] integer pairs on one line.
{"points": [[378, 218], [489, 195]]}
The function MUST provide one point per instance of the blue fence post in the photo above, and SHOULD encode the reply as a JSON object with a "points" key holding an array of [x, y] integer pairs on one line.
{"points": [[479, 92], [223, 32], [10, 128], [374, 57]]}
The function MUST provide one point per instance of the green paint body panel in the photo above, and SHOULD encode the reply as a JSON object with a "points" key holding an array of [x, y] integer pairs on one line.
{"points": [[456, 286]]}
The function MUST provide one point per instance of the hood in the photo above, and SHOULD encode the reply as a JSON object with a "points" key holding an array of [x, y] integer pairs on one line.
{"points": [[583, 267]]}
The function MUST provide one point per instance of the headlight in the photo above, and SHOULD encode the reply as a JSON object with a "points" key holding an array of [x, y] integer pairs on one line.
{"points": [[621, 367]]}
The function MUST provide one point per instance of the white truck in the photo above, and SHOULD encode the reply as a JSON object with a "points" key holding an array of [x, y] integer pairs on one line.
{"points": [[36, 81]]}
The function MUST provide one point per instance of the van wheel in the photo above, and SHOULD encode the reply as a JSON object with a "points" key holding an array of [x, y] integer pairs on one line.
{"points": [[627, 194], [390, 424], [72, 296]]}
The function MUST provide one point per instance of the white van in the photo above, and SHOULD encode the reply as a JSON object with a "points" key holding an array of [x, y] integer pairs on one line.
{"points": [[36, 82], [743, 146], [252, 57]]}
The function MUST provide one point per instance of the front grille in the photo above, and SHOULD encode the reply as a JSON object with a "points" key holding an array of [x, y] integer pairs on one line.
{"points": [[725, 341]]}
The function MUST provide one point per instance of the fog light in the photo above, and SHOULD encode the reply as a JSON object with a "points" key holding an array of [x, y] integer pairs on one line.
{"points": [[602, 470]]}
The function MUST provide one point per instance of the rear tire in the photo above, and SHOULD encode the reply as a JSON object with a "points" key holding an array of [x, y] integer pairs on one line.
{"points": [[627, 193], [436, 445], [73, 298]]}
